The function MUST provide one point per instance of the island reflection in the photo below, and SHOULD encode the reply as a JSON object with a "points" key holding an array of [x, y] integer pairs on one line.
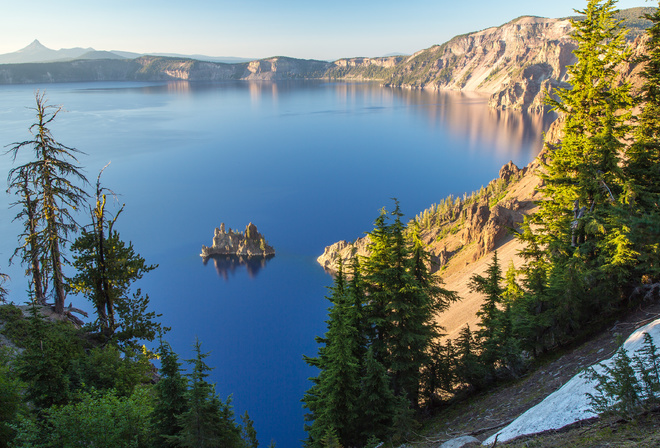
{"points": [[229, 264]]}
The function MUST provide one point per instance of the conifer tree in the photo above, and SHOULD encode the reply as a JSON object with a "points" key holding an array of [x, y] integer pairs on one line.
{"points": [[31, 252], [576, 236], [490, 314], [53, 173], [647, 367], [208, 422], [107, 267], [249, 434], [378, 400], [404, 300], [439, 375], [377, 276], [3, 290], [171, 400], [44, 365], [357, 299], [642, 162], [333, 400], [469, 369]]}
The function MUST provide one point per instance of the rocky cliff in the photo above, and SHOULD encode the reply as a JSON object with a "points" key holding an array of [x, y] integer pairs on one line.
{"points": [[471, 226], [513, 62], [250, 243]]}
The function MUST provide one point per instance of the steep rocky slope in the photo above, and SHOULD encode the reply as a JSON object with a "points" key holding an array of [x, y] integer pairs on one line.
{"points": [[513, 61], [462, 235]]}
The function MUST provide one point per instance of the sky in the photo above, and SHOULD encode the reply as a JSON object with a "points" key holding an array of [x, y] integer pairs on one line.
{"points": [[309, 29]]}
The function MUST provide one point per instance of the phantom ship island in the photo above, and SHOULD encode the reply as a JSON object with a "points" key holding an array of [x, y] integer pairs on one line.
{"points": [[243, 244]]}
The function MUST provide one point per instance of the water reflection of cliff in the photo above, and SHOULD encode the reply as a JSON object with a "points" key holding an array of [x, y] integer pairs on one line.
{"points": [[230, 264], [462, 115]]}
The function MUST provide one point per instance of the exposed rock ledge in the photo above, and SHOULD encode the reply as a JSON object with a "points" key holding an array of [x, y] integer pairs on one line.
{"points": [[249, 243], [478, 226]]}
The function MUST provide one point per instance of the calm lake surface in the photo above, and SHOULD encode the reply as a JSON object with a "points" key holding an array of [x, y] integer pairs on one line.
{"points": [[309, 163]]}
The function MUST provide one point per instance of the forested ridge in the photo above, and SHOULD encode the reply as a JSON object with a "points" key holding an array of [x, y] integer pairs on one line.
{"points": [[383, 364], [590, 253]]}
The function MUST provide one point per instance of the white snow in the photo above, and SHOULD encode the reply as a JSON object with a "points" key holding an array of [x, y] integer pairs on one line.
{"points": [[569, 404]]}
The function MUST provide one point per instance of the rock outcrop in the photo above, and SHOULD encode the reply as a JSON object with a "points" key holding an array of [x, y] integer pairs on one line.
{"points": [[473, 226], [250, 243], [345, 251]]}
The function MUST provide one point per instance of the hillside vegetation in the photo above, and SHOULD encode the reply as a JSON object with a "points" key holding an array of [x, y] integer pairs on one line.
{"points": [[583, 231]]}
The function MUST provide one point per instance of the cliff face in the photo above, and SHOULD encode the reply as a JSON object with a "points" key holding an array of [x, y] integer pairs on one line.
{"points": [[284, 68], [249, 243], [364, 69], [513, 62]]}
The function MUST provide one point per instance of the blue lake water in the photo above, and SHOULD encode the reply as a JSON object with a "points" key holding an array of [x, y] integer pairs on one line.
{"points": [[309, 163]]}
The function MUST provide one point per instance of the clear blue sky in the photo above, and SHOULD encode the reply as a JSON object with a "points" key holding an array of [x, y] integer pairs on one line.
{"points": [[259, 28]]}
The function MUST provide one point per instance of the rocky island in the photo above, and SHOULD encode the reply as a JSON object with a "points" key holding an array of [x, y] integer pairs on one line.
{"points": [[249, 243]]}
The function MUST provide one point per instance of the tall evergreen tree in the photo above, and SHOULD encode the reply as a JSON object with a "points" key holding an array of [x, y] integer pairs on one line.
{"points": [[107, 267], [470, 371], [44, 365], [30, 252], [333, 400], [357, 317], [404, 301], [249, 433], [54, 174], [491, 316], [171, 401], [208, 422], [642, 162], [576, 236], [378, 400]]}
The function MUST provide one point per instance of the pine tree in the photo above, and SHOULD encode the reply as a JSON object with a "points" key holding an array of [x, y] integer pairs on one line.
{"points": [[491, 316], [208, 422], [469, 370], [44, 365], [30, 251], [53, 174], [378, 400], [3, 290], [576, 236], [617, 390], [107, 267], [378, 276], [404, 300], [333, 400], [249, 434], [439, 375], [647, 367], [642, 162], [171, 401]]}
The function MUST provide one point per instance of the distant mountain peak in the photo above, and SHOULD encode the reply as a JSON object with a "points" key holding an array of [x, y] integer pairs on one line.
{"points": [[34, 46]]}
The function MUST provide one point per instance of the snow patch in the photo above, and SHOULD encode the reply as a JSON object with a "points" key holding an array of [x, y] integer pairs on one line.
{"points": [[569, 404]]}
